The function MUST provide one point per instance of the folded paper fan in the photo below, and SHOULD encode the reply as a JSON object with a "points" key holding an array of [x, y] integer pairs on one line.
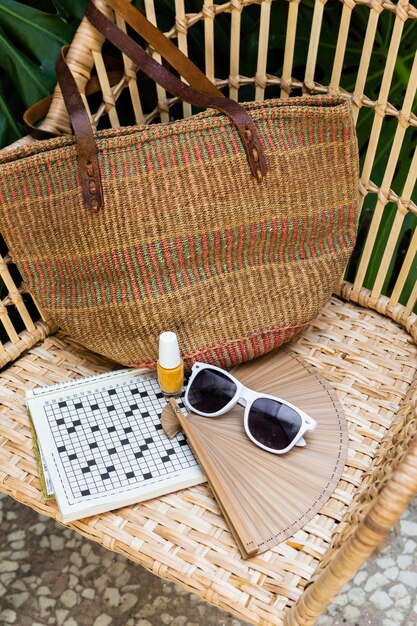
{"points": [[265, 497], [169, 419]]}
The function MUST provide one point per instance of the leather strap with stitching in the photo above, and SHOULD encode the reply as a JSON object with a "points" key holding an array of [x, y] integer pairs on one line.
{"points": [[90, 176], [84, 136]]}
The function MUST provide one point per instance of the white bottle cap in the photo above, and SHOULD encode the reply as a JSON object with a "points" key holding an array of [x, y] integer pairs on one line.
{"points": [[169, 351]]}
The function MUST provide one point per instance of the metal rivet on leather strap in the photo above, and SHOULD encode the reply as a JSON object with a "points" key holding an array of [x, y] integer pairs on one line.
{"points": [[92, 186], [90, 169], [255, 155], [94, 205]]}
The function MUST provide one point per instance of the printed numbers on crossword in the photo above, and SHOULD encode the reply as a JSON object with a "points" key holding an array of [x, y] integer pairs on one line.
{"points": [[110, 438]]}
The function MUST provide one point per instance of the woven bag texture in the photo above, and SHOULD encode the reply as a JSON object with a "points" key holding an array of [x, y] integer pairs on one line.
{"points": [[188, 240]]}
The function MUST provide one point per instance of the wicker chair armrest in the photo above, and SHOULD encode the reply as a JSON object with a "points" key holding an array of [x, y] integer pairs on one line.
{"points": [[392, 500]]}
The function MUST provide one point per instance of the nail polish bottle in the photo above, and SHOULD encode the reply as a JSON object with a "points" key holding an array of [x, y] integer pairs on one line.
{"points": [[170, 366]]}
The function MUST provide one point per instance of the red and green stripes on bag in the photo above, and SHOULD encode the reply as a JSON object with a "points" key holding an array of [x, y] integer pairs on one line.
{"points": [[173, 148], [155, 268], [241, 350], [187, 240]]}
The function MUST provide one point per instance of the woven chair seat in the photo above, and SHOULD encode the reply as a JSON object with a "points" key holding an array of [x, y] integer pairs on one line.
{"points": [[371, 363]]}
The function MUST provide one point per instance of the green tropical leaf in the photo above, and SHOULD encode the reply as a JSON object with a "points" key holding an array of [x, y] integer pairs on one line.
{"points": [[30, 40], [30, 80], [9, 129], [39, 35], [70, 8]]}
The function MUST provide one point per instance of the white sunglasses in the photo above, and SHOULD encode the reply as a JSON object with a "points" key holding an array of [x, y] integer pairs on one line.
{"points": [[271, 423]]}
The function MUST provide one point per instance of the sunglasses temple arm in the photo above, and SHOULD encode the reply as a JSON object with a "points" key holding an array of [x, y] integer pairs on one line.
{"points": [[301, 442]]}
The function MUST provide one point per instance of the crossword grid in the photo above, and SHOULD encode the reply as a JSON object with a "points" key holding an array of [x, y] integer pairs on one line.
{"points": [[110, 438]]}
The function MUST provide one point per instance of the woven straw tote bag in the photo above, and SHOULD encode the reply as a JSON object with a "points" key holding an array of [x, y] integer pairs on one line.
{"points": [[363, 342], [232, 229]]}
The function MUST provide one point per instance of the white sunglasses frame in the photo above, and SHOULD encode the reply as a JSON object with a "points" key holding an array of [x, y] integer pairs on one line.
{"points": [[246, 397]]}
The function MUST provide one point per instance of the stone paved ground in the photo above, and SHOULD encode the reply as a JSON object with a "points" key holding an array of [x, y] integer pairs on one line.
{"points": [[51, 576]]}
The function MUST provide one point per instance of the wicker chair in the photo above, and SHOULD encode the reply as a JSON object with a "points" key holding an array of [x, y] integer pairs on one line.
{"points": [[363, 343]]}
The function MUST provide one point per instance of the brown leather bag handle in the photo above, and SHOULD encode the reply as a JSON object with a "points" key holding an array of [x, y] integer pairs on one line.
{"points": [[174, 85], [90, 176], [36, 113], [168, 51], [84, 136]]}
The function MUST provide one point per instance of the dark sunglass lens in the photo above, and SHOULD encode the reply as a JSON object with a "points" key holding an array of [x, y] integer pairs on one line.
{"points": [[211, 391], [273, 424]]}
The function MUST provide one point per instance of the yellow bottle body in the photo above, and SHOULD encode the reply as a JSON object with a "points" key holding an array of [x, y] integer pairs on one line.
{"points": [[171, 381]]}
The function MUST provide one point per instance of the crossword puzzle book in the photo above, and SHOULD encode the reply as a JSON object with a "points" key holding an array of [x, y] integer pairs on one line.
{"points": [[102, 446]]}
